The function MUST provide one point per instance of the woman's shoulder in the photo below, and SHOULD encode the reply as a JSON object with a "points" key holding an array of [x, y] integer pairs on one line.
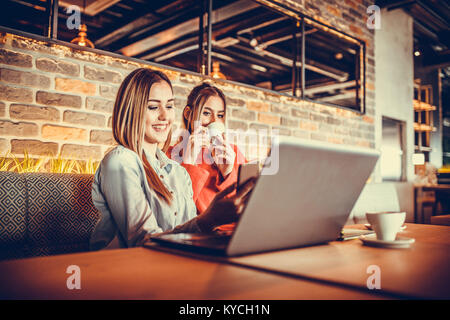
{"points": [[120, 156]]}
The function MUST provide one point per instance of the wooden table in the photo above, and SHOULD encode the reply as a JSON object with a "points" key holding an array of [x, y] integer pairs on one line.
{"points": [[334, 271], [141, 273], [422, 271]]}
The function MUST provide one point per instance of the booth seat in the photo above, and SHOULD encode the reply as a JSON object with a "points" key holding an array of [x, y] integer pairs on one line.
{"points": [[45, 214]]}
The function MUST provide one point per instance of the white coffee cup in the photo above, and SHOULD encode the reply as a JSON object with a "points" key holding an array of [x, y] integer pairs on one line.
{"points": [[216, 128], [386, 224]]}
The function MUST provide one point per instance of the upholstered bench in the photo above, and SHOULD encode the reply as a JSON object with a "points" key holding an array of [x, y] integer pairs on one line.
{"points": [[45, 214]]}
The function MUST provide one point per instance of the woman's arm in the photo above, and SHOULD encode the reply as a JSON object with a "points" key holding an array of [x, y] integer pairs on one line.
{"points": [[221, 183], [122, 186]]}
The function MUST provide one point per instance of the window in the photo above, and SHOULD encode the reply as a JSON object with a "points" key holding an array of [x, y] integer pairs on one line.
{"points": [[332, 68], [255, 42]]}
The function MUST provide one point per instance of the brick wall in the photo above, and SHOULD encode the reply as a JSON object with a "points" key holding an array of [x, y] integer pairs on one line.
{"points": [[56, 99]]}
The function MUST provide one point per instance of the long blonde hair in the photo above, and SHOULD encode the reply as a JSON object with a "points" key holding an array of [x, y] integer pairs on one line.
{"points": [[129, 116]]}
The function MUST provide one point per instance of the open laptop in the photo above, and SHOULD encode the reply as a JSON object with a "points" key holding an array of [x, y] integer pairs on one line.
{"points": [[303, 197]]}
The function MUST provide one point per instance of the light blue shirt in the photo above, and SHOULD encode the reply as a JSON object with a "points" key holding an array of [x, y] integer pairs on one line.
{"points": [[130, 209]]}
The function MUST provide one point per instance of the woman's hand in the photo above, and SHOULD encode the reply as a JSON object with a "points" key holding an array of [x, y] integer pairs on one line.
{"points": [[223, 156], [197, 140], [224, 210]]}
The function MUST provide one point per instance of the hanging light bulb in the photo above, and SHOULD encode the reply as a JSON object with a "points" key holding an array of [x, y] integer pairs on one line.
{"points": [[216, 71], [82, 39]]}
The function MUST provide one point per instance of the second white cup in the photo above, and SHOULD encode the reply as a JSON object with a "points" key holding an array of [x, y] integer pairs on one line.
{"points": [[386, 224]]}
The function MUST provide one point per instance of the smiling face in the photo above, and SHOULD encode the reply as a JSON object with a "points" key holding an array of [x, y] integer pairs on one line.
{"points": [[160, 113], [213, 110]]}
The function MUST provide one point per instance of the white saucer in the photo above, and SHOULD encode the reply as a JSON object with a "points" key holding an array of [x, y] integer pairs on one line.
{"points": [[399, 243], [368, 226]]}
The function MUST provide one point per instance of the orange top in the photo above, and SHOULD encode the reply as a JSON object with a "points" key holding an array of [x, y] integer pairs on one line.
{"points": [[207, 180]]}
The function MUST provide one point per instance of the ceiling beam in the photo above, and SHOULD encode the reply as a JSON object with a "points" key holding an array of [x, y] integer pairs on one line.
{"points": [[185, 28], [144, 19], [93, 7]]}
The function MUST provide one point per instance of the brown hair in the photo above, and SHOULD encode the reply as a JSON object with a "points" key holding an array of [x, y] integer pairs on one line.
{"points": [[196, 100], [129, 116]]}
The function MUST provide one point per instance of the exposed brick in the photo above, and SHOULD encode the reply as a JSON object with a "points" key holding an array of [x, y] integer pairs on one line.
{"points": [[342, 130], [58, 66], [333, 121], [52, 132], [85, 56], [123, 64], [16, 58], [356, 14], [235, 102], [24, 78], [58, 99], [318, 136], [355, 133], [368, 135], [33, 147], [74, 151], [308, 125], [18, 129], [363, 143], [300, 113], [75, 86], [334, 11], [83, 118], [110, 123], [97, 74], [348, 18], [243, 114], [250, 93], [4, 147], [356, 30], [102, 137], [368, 119], [180, 103], [36, 46], [281, 131], [99, 104], [288, 122], [108, 92], [15, 94], [258, 106], [335, 140], [351, 4], [237, 125], [280, 108], [301, 134], [181, 91], [317, 117], [2, 109], [172, 75], [324, 127], [32, 112], [259, 127], [269, 119]]}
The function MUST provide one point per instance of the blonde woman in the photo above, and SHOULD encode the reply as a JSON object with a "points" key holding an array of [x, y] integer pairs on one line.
{"points": [[138, 190]]}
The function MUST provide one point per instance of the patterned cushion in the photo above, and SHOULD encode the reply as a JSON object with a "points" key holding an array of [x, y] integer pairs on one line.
{"points": [[12, 215], [59, 215]]}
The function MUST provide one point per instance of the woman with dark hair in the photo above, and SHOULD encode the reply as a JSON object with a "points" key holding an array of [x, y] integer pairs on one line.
{"points": [[137, 189], [212, 166]]}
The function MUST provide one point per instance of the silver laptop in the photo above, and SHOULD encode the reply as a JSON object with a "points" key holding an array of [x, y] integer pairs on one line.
{"points": [[303, 197]]}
